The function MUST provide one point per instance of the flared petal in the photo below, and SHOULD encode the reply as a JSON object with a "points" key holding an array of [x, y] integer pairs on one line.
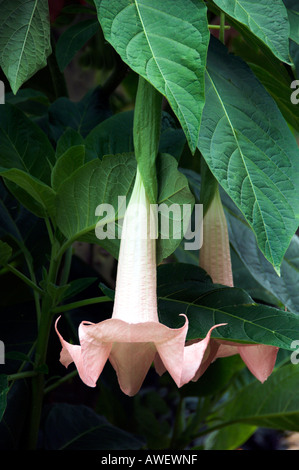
{"points": [[90, 367], [131, 362], [131, 349], [197, 357], [259, 358]]}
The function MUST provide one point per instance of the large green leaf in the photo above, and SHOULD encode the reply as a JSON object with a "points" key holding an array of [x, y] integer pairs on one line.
{"points": [[73, 39], [26, 159], [251, 270], [284, 288], [294, 25], [274, 404], [101, 182], [115, 135], [266, 19], [35, 195], [97, 182], [23, 145], [279, 89], [251, 151], [24, 39], [81, 116], [186, 289], [230, 437], [67, 163], [78, 427], [166, 43]]}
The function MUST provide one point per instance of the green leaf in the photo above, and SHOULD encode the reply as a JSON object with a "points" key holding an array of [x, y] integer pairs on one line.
{"points": [[251, 151], [73, 39], [81, 116], [150, 36], [67, 164], [69, 138], [101, 182], [5, 252], [24, 39], [294, 25], [97, 182], [23, 145], [115, 135], [251, 270], [3, 394], [78, 427], [77, 286], [266, 19], [173, 189], [279, 89], [26, 159], [207, 304], [22, 230], [273, 404], [30, 101], [36, 196], [230, 437], [284, 288]]}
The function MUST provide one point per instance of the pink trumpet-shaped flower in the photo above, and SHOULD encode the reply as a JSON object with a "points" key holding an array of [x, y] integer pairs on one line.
{"points": [[215, 259], [214, 255], [134, 338]]}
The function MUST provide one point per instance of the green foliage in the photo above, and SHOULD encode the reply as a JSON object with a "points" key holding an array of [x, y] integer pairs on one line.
{"points": [[24, 39], [259, 172], [194, 114], [142, 32]]}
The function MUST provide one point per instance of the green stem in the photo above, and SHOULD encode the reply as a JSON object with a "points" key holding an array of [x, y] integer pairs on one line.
{"points": [[36, 294], [38, 380], [50, 231], [80, 303], [66, 266], [146, 134], [41, 352], [24, 278], [222, 27], [217, 26], [21, 375], [61, 381]]}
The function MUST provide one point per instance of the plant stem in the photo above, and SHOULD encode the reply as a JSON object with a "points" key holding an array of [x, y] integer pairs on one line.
{"points": [[21, 375], [222, 27], [38, 380], [61, 381], [81, 303], [217, 26], [24, 278], [66, 266], [41, 352]]}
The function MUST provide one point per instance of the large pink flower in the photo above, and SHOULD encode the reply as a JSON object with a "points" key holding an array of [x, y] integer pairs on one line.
{"points": [[134, 338], [215, 259]]}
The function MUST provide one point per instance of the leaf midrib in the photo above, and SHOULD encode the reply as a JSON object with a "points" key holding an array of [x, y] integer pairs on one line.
{"points": [[155, 59], [220, 311], [242, 156], [25, 40]]}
